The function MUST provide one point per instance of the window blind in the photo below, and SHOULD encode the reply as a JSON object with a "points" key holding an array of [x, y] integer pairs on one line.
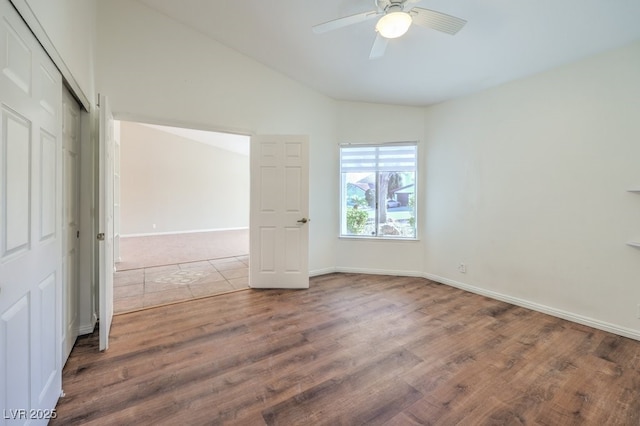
{"points": [[382, 158]]}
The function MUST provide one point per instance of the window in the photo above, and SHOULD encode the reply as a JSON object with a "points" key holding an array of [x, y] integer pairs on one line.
{"points": [[378, 190]]}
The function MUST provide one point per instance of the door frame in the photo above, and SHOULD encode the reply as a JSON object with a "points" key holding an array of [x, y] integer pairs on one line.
{"points": [[106, 231], [141, 119]]}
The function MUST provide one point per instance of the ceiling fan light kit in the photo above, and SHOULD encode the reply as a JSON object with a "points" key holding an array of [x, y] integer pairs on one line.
{"points": [[396, 16], [394, 24]]}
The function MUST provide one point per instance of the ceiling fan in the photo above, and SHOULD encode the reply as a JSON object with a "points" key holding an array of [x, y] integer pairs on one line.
{"points": [[396, 16]]}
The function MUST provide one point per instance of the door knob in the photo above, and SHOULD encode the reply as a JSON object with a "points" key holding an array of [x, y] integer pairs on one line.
{"points": [[304, 220]]}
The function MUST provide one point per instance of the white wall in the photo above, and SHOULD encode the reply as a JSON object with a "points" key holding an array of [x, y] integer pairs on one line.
{"points": [[374, 123], [179, 184], [153, 67], [526, 184], [71, 27]]}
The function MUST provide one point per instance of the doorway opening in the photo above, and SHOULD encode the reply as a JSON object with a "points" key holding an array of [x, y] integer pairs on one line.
{"points": [[181, 214]]}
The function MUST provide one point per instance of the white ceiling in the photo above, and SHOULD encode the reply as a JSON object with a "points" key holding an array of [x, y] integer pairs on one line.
{"points": [[503, 40]]}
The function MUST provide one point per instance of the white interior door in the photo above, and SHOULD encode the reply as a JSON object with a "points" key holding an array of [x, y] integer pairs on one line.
{"points": [[279, 219], [70, 222], [30, 225], [105, 220]]}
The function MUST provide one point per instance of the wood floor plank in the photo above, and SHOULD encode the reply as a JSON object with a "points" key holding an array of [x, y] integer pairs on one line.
{"points": [[365, 396], [352, 349]]}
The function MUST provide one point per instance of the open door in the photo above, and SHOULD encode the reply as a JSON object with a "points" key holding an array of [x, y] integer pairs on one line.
{"points": [[105, 219], [279, 219]]}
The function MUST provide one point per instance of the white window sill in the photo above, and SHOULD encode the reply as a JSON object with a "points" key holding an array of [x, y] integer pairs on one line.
{"points": [[364, 238]]}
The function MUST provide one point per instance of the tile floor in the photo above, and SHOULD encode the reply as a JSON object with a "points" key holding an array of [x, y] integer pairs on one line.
{"points": [[141, 288]]}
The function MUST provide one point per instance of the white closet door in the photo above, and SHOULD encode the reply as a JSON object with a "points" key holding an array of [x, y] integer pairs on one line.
{"points": [[30, 225], [70, 222]]}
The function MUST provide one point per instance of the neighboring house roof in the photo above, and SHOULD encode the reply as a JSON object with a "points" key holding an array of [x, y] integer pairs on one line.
{"points": [[362, 186], [407, 189]]}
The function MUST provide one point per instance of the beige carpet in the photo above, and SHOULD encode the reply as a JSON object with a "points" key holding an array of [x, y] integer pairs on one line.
{"points": [[159, 250]]}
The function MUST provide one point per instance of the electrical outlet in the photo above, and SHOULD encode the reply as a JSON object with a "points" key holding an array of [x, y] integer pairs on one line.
{"points": [[463, 268]]}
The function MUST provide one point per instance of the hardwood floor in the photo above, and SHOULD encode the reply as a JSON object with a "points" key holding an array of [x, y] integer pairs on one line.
{"points": [[352, 349]]}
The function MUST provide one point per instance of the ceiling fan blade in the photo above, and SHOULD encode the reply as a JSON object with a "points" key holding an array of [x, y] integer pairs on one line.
{"points": [[343, 22], [379, 46], [437, 20]]}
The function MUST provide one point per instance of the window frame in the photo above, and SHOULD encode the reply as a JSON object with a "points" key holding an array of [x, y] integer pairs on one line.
{"points": [[343, 233]]}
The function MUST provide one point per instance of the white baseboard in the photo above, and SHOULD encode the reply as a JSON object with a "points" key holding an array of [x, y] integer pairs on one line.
{"points": [[88, 328], [323, 271], [195, 231], [559, 313], [379, 272]]}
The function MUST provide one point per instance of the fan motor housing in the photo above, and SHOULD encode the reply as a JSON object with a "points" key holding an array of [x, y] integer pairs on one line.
{"points": [[390, 5]]}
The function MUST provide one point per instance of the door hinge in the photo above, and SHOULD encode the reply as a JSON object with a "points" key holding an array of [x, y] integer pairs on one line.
{"points": [[77, 234], [100, 236]]}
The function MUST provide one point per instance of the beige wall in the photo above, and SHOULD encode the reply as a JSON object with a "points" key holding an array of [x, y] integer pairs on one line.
{"points": [[179, 185]]}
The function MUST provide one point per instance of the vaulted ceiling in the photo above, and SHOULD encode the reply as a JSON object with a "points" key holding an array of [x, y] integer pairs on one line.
{"points": [[503, 40]]}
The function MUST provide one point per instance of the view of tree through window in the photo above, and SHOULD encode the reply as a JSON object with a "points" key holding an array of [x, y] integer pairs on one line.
{"points": [[378, 197]]}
